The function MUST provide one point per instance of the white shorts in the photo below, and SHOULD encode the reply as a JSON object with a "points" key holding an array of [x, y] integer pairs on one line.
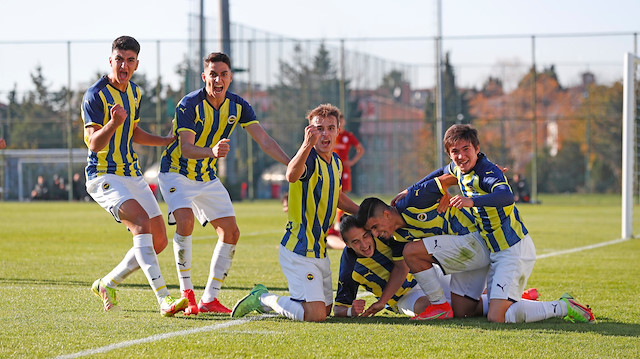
{"points": [[407, 302], [458, 253], [470, 283], [510, 269], [209, 200], [309, 278], [111, 191]]}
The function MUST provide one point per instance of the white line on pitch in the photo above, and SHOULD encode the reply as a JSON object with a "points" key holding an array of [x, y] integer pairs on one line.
{"points": [[158, 337], [579, 249]]}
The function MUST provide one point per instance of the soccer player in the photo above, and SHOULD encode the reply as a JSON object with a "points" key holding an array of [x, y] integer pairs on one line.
{"points": [[449, 239], [3, 143], [188, 180], [487, 193], [378, 266], [314, 196], [110, 111], [347, 140]]}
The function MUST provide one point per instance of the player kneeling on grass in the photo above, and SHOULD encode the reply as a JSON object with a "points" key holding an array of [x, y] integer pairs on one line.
{"points": [[315, 194]]}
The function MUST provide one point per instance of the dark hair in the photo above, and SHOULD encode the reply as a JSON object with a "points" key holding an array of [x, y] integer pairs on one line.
{"points": [[126, 43], [456, 133], [347, 222], [370, 207], [325, 110], [217, 57]]}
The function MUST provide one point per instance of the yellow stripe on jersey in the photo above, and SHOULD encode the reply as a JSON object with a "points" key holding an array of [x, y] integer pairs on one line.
{"points": [[313, 203], [195, 114], [500, 227], [118, 156]]}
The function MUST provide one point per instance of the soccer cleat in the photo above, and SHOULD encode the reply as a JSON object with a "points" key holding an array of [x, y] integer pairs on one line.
{"points": [[108, 295], [530, 294], [171, 306], [213, 307], [250, 302], [193, 305], [576, 312], [436, 311]]}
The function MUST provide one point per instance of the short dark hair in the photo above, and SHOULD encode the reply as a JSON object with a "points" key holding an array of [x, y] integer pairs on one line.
{"points": [[370, 207], [126, 43], [325, 110], [456, 133], [347, 222], [217, 57]]}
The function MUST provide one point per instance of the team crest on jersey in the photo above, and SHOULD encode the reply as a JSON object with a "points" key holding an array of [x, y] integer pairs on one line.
{"points": [[232, 119], [172, 189], [309, 276], [422, 217], [106, 186]]}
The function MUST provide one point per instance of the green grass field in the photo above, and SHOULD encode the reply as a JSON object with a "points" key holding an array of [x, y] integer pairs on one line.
{"points": [[50, 253]]}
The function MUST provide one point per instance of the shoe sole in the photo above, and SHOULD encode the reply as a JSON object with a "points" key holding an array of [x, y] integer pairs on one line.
{"points": [[180, 306], [235, 307], [96, 291], [441, 316]]}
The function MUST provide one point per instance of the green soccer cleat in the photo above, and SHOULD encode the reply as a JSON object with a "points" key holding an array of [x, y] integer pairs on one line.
{"points": [[576, 311], [171, 306], [250, 302], [108, 295]]}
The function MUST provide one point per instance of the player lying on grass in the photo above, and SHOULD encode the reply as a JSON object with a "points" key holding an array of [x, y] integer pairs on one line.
{"points": [[486, 192], [378, 266], [370, 262], [449, 239], [315, 194]]}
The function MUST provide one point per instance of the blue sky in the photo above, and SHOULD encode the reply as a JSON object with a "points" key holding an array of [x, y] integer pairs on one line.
{"points": [[167, 19]]}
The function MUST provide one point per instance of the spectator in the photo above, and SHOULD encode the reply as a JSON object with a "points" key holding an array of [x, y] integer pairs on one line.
{"points": [[79, 189], [521, 189], [41, 190]]}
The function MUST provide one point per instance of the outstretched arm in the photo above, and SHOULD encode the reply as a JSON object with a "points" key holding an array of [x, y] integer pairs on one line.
{"points": [[397, 277], [148, 139], [267, 143]]}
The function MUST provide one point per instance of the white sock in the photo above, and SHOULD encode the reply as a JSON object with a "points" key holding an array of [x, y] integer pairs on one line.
{"points": [[148, 261], [529, 311], [128, 265], [485, 304], [283, 306], [182, 251], [220, 264], [430, 285]]}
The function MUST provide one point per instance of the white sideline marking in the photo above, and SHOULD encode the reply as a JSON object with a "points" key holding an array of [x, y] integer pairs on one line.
{"points": [[208, 328], [579, 249], [157, 337]]}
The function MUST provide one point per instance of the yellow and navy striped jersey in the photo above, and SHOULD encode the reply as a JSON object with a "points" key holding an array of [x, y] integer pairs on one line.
{"points": [[501, 226], [118, 156], [194, 113], [313, 202], [372, 273], [419, 211]]}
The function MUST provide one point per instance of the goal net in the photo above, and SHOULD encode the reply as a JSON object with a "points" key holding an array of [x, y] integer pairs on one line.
{"points": [[630, 142]]}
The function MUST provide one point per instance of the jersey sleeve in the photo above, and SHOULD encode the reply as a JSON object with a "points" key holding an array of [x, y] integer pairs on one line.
{"points": [[421, 194], [396, 249], [309, 166], [185, 117], [353, 140], [247, 116], [347, 286], [93, 110]]}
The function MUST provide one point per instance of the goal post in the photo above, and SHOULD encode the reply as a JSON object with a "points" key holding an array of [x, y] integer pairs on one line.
{"points": [[629, 144]]}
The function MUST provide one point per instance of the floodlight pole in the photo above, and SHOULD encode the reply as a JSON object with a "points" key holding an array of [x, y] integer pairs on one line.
{"points": [[628, 116], [69, 127], [439, 89]]}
